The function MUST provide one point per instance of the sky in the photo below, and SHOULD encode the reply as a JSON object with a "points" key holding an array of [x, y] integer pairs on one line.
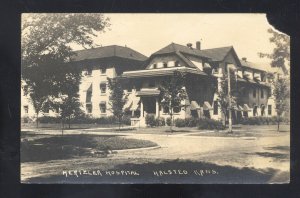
{"points": [[147, 33]]}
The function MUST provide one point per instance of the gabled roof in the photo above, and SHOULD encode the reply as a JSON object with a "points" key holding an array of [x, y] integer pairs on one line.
{"points": [[258, 66], [109, 51], [173, 47], [217, 54]]}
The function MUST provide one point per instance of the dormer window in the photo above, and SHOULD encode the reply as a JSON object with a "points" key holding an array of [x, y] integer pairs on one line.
{"points": [[165, 65], [154, 66], [177, 64], [103, 70]]}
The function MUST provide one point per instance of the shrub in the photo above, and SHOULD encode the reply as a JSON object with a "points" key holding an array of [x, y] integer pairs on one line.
{"points": [[211, 124], [160, 121], [180, 122], [260, 120], [150, 120], [49, 119], [191, 122], [168, 121], [126, 120]]}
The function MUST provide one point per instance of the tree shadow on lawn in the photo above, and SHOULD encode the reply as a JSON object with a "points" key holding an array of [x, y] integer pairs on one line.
{"points": [[72, 146], [207, 173]]}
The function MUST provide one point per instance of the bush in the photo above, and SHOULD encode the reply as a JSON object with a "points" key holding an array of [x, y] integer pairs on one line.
{"points": [[150, 120], [191, 122], [49, 119], [160, 121], [168, 121], [210, 124], [260, 120], [180, 122], [126, 120]]}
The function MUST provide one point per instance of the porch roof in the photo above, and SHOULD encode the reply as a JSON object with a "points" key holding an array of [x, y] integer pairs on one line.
{"points": [[148, 92], [161, 72], [207, 106]]}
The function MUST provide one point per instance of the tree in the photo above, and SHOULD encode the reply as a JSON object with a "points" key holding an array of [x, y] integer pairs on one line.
{"points": [[281, 53], [222, 95], [117, 98], [281, 93], [46, 48], [172, 92], [68, 96]]}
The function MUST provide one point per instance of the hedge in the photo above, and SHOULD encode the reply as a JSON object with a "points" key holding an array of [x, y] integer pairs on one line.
{"points": [[260, 120], [86, 120], [204, 123]]}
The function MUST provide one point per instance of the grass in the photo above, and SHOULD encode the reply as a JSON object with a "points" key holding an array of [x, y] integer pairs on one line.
{"points": [[71, 146], [248, 131]]}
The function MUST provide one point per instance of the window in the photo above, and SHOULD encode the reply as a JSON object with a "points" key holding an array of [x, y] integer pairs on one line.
{"points": [[165, 65], [254, 110], [88, 96], [254, 93], [262, 93], [154, 66], [165, 109], [177, 64], [26, 109], [262, 110], [88, 71], [269, 109], [103, 70], [89, 108], [216, 107], [103, 107], [176, 109], [103, 87]]}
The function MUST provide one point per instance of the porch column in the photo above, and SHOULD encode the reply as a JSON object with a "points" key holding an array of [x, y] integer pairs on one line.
{"points": [[142, 108], [156, 108]]}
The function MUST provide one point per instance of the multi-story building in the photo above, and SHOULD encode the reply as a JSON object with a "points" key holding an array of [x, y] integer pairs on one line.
{"points": [[142, 76], [97, 65], [203, 70]]}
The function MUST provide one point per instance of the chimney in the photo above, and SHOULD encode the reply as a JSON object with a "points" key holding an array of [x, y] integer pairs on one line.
{"points": [[244, 59], [189, 45], [198, 45]]}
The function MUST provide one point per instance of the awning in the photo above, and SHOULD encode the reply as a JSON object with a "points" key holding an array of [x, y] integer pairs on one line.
{"points": [[207, 106], [240, 108], [148, 92], [206, 66], [135, 104], [103, 102], [194, 105], [246, 108], [103, 83]]}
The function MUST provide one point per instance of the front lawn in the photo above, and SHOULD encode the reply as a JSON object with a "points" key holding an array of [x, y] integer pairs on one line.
{"points": [[71, 146], [248, 131]]}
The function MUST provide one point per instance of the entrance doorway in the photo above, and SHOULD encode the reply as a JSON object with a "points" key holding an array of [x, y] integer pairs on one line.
{"points": [[149, 105]]}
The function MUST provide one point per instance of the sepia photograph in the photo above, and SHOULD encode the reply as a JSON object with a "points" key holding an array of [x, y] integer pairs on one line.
{"points": [[111, 98]]}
